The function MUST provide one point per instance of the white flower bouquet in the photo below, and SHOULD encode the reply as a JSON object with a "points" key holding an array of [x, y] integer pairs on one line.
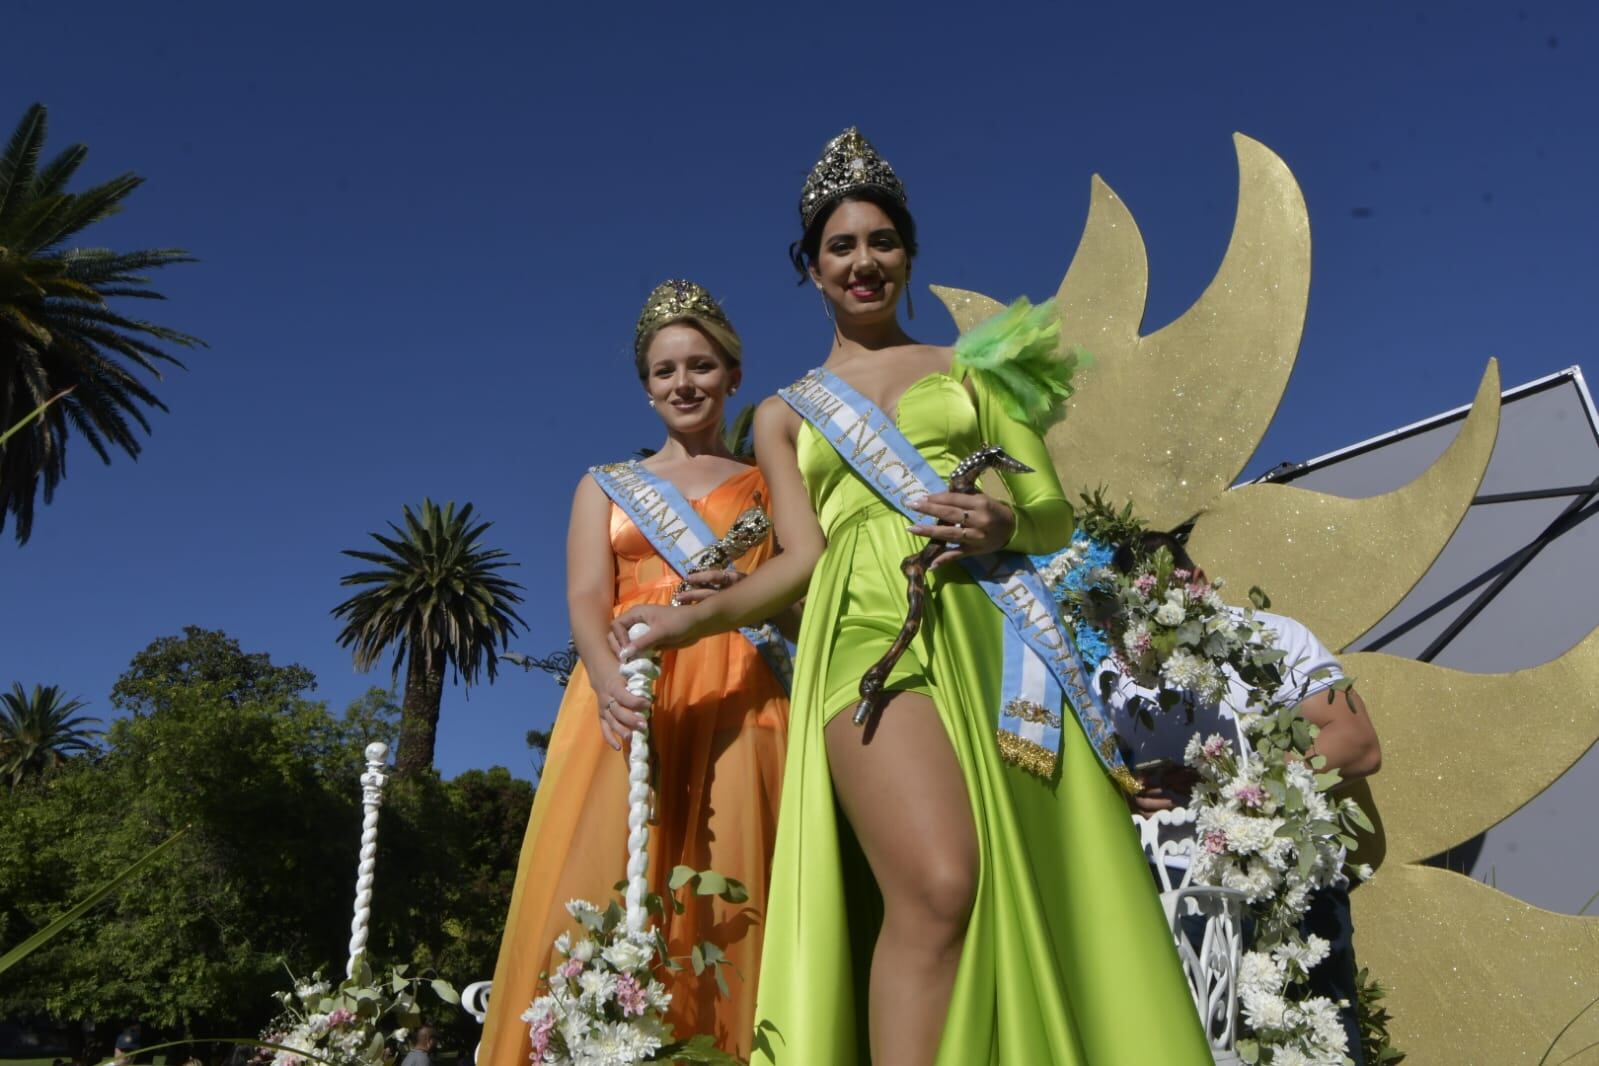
{"points": [[604, 1004], [351, 1024]]}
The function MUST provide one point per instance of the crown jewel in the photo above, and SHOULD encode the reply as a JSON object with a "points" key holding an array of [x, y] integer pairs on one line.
{"points": [[673, 300], [849, 162]]}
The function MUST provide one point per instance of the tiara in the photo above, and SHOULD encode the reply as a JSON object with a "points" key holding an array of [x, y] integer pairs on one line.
{"points": [[849, 162], [673, 300]]}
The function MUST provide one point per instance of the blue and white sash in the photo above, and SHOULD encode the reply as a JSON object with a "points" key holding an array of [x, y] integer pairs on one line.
{"points": [[1041, 662], [678, 534]]}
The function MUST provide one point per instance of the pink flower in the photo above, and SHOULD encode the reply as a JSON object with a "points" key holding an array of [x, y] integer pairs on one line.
{"points": [[1145, 583], [1251, 796], [541, 1035], [570, 969], [1181, 576], [1215, 842], [630, 996], [340, 1016], [1215, 747]]}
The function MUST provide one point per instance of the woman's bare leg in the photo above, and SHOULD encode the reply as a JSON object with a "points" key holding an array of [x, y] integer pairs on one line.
{"points": [[906, 800]]}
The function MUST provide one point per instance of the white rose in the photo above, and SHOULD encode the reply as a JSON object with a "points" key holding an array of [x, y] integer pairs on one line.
{"points": [[1170, 614], [626, 955]]}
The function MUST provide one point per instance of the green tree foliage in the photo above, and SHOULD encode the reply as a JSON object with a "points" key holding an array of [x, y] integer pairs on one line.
{"points": [[538, 746], [739, 435], [232, 744], [57, 328], [40, 731], [437, 600]]}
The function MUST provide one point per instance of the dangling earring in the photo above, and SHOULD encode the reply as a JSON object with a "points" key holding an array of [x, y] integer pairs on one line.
{"points": [[733, 391], [827, 305], [650, 402], [910, 308]]}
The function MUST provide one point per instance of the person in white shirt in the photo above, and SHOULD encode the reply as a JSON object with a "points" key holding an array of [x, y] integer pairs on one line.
{"points": [[1153, 740]]}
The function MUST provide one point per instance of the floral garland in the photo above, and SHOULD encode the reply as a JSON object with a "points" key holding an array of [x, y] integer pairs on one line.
{"points": [[1265, 822]]}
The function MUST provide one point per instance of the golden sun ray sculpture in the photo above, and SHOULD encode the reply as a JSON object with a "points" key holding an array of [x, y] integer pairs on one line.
{"points": [[1169, 420]]}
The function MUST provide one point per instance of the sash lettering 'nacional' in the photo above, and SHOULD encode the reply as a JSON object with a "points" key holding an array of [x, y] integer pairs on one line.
{"points": [[679, 535], [1041, 662]]}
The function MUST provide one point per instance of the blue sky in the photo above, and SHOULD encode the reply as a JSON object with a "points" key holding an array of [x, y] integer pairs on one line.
{"points": [[425, 231]]}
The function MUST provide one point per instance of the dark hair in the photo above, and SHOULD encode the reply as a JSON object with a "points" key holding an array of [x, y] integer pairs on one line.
{"points": [[1153, 540], [802, 253]]}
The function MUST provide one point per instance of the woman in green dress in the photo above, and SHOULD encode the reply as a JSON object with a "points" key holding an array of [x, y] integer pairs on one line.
{"points": [[931, 901]]}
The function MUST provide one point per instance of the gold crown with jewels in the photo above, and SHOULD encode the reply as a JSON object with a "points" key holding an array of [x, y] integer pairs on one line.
{"points": [[677, 299], [849, 162]]}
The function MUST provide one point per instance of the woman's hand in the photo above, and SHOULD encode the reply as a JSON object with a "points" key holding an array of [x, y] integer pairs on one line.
{"points": [[1163, 789], [703, 584], [620, 710], [670, 627], [973, 524]]}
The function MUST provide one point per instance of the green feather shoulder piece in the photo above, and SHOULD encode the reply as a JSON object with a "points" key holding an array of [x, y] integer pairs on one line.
{"points": [[1017, 354]]}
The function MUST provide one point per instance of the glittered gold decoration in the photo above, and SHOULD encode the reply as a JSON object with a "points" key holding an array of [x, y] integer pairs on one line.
{"points": [[1176, 415], [967, 308], [1462, 751], [1476, 977], [849, 163], [1338, 564], [1169, 420], [673, 300], [1034, 758], [1030, 711]]}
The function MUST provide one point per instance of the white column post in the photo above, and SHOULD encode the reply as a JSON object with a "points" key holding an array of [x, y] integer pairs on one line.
{"points": [[372, 783]]}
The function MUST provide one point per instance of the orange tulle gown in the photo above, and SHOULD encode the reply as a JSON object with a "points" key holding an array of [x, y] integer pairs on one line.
{"points": [[719, 734]]}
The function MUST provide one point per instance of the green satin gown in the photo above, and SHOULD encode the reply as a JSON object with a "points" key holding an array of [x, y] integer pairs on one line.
{"points": [[1067, 959]]}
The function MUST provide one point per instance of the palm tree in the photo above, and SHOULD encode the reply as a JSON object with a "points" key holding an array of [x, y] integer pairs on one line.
{"points": [[438, 600], [40, 731], [57, 329]]}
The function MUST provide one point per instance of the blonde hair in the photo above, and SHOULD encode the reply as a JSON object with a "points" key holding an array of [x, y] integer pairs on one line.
{"points": [[723, 336]]}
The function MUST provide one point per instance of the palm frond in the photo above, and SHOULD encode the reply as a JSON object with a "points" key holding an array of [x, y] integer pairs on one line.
{"points": [[54, 176], [68, 215], [20, 158]]}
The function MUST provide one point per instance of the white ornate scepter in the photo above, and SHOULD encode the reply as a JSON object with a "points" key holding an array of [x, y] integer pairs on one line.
{"points": [[641, 674], [371, 799]]}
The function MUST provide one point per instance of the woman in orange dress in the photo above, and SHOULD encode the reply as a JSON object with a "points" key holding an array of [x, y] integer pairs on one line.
{"points": [[720, 719]]}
